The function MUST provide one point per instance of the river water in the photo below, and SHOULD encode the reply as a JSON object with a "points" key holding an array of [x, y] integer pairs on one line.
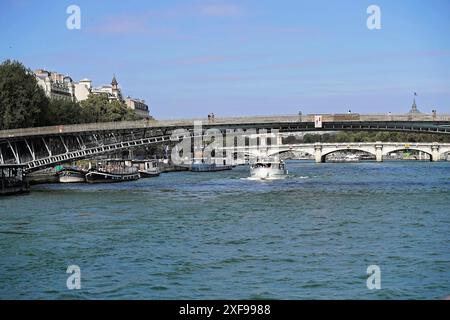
{"points": [[218, 235]]}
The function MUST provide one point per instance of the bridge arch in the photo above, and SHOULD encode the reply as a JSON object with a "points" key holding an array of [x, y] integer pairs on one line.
{"points": [[244, 153], [424, 150], [328, 152], [282, 150], [427, 150], [286, 150], [445, 154]]}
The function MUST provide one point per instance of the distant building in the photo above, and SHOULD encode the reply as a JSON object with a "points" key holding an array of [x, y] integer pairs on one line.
{"points": [[83, 89], [59, 86], [139, 107], [56, 85], [113, 91], [414, 108]]}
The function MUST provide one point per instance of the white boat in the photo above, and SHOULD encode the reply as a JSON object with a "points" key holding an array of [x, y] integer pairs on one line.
{"points": [[112, 170], [146, 168], [71, 175], [268, 170], [149, 173], [97, 176]]}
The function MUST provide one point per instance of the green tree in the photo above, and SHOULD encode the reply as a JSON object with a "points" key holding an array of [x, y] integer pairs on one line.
{"points": [[343, 137], [98, 108], [22, 101], [326, 137], [63, 112], [311, 138], [118, 111]]}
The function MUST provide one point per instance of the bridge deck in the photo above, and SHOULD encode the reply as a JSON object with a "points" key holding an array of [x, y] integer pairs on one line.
{"points": [[227, 121]]}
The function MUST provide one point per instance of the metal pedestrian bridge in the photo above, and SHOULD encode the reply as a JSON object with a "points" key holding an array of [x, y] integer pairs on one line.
{"points": [[41, 147]]}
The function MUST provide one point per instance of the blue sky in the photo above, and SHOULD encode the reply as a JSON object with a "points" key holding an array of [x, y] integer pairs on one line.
{"points": [[189, 58]]}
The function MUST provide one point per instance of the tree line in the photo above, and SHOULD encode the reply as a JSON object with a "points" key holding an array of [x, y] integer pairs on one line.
{"points": [[23, 103]]}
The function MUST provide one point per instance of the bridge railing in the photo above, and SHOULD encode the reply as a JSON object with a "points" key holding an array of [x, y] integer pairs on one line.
{"points": [[375, 117]]}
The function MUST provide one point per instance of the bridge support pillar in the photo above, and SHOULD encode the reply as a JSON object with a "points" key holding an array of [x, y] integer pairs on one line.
{"points": [[318, 153], [435, 154], [279, 140], [379, 151], [262, 141]]}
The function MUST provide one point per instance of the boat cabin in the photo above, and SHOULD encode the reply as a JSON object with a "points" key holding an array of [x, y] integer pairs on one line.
{"points": [[145, 165], [269, 165], [117, 166]]}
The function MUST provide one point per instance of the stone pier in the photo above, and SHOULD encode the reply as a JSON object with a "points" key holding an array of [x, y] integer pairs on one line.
{"points": [[318, 153], [379, 151], [435, 154]]}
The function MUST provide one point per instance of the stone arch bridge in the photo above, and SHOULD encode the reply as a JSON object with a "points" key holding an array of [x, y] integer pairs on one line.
{"points": [[378, 149]]}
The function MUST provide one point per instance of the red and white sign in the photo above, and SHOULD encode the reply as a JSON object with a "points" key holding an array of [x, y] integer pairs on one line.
{"points": [[318, 121]]}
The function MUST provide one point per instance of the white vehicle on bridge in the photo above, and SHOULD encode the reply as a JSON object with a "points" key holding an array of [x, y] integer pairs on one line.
{"points": [[268, 170]]}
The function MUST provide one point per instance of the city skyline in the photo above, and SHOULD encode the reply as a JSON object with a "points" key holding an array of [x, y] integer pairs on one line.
{"points": [[190, 58]]}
